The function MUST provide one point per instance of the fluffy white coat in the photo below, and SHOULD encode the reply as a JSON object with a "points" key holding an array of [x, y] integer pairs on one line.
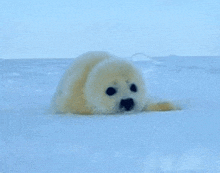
{"points": [[101, 83]]}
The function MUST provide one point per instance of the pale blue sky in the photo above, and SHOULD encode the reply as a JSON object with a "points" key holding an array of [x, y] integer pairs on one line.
{"points": [[67, 28]]}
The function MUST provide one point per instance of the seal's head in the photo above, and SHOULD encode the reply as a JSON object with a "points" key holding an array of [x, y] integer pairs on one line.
{"points": [[115, 86]]}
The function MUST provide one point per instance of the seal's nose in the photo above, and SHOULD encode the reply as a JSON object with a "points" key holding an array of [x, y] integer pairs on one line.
{"points": [[127, 104]]}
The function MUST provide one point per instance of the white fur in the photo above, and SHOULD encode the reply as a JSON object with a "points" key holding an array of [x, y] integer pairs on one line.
{"points": [[82, 88]]}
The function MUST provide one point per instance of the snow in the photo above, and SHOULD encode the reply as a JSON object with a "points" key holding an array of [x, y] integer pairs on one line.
{"points": [[184, 141], [37, 36]]}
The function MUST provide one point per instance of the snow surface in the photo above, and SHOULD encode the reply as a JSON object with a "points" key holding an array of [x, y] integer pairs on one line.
{"points": [[185, 141]]}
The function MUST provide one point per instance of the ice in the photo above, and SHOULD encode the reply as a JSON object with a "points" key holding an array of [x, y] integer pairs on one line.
{"points": [[37, 32], [33, 140]]}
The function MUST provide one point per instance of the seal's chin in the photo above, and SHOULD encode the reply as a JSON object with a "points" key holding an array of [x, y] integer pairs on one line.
{"points": [[127, 110]]}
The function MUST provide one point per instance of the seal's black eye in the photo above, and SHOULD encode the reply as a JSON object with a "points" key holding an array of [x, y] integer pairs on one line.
{"points": [[133, 88], [110, 91]]}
